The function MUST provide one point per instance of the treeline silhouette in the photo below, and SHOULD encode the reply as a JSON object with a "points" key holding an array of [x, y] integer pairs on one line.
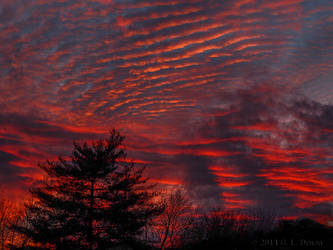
{"points": [[96, 199]]}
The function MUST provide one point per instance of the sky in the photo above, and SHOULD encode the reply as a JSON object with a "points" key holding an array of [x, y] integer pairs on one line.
{"points": [[231, 100]]}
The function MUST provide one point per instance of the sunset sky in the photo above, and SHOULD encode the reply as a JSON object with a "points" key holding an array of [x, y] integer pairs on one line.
{"points": [[231, 100]]}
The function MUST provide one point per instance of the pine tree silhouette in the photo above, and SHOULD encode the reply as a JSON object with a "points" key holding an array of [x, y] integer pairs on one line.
{"points": [[95, 200]]}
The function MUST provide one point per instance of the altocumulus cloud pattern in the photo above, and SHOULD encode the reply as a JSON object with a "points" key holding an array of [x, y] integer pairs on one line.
{"points": [[231, 99]]}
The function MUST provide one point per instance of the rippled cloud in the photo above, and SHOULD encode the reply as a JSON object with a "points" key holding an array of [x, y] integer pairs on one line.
{"points": [[228, 98]]}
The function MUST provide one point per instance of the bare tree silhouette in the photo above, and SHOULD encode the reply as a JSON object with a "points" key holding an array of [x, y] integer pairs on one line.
{"points": [[10, 215], [175, 218]]}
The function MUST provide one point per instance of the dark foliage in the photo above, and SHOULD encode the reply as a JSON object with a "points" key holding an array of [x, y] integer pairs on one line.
{"points": [[95, 200], [287, 234]]}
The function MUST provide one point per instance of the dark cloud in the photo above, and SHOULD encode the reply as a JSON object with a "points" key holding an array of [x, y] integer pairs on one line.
{"points": [[277, 139]]}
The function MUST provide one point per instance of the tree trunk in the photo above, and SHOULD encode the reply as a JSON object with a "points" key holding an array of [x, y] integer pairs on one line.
{"points": [[165, 236], [91, 208]]}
